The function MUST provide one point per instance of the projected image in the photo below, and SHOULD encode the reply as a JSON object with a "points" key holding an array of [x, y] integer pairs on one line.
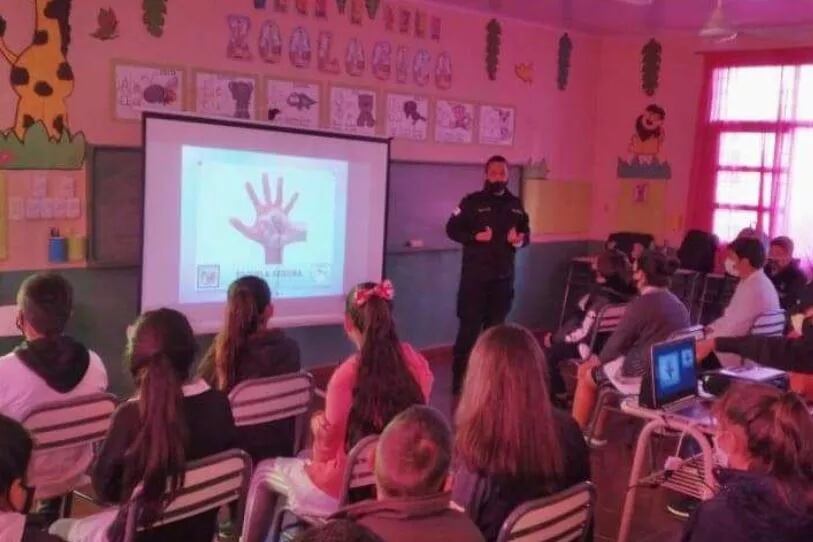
{"points": [[236, 221]]}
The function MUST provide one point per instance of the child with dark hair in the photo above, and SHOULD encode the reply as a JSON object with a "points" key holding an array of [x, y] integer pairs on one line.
{"points": [[171, 420], [246, 349], [364, 393], [764, 444], [16, 497], [49, 366]]}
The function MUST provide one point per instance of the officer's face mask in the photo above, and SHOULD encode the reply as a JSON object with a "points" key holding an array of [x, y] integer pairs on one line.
{"points": [[495, 187]]}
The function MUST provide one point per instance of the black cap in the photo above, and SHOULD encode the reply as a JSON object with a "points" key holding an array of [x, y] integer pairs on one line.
{"points": [[805, 298]]}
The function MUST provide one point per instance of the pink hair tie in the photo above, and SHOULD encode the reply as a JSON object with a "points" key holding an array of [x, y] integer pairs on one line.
{"points": [[385, 291]]}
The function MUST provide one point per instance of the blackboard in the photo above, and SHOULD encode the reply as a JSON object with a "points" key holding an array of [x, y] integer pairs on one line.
{"points": [[422, 195], [116, 191]]}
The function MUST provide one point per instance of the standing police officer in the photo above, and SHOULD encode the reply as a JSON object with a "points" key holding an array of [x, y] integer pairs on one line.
{"points": [[491, 225]]}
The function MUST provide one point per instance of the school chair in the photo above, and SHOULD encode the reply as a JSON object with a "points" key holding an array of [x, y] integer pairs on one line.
{"points": [[72, 424], [208, 484], [357, 475], [566, 516]]}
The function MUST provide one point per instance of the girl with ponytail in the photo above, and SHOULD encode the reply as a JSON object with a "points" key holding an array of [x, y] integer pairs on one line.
{"points": [[384, 377], [170, 421], [246, 349], [764, 444]]}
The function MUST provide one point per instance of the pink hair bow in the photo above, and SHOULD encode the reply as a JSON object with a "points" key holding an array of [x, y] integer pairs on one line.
{"points": [[385, 291]]}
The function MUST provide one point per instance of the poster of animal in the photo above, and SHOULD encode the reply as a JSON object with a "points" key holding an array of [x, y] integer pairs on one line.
{"points": [[353, 110], [226, 95], [407, 116], [298, 102], [644, 158], [497, 125], [454, 121], [141, 87]]}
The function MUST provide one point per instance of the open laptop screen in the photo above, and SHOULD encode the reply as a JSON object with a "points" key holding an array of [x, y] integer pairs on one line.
{"points": [[674, 372]]}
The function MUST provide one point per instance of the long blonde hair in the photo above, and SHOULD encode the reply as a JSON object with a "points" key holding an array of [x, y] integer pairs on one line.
{"points": [[505, 423]]}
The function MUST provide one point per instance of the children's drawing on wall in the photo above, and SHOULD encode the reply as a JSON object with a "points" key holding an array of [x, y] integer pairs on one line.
{"points": [[372, 7], [326, 62], [155, 13], [320, 9], [404, 20], [353, 110], [407, 116], [153, 88], [422, 67], [443, 71], [270, 42], [421, 23], [454, 122], [300, 48], [42, 79], [298, 102], [644, 159], [356, 11], [493, 41], [301, 6], [382, 60], [563, 61], [389, 18], [239, 27], [651, 66], [525, 72], [341, 5], [497, 125], [402, 64], [225, 95], [107, 25], [434, 28], [354, 58], [281, 6]]}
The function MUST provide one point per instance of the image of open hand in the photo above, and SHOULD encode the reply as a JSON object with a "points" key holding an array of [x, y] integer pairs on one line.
{"points": [[272, 227]]}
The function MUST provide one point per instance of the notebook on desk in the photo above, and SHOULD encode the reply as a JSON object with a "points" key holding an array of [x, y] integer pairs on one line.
{"points": [[674, 381]]}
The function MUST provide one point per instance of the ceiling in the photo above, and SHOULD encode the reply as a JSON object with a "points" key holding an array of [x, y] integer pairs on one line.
{"points": [[623, 17]]}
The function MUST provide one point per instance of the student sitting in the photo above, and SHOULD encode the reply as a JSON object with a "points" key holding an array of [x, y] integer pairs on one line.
{"points": [[511, 444], [16, 497], [170, 421], [245, 349], [49, 366], [755, 295], [412, 462], [764, 442], [364, 393], [612, 286], [785, 273], [649, 319]]}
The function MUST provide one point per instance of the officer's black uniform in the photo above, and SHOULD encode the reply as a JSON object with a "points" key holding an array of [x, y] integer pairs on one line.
{"points": [[789, 283], [487, 277]]}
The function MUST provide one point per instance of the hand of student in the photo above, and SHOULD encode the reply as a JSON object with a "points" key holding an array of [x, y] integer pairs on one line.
{"points": [[272, 228], [515, 238], [704, 348], [484, 236]]}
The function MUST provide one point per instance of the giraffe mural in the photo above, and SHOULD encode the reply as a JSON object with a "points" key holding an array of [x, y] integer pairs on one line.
{"points": [[41, 76]]}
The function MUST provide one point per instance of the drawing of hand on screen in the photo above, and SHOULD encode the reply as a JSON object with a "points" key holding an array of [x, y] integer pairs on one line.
{"points": [[272, 227]]}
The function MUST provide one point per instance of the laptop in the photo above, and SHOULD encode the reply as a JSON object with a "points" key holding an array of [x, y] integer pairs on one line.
{"points": [[674, 381]]}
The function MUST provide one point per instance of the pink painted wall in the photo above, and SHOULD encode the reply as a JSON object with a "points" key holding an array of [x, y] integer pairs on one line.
{"points": [[550, 124]]}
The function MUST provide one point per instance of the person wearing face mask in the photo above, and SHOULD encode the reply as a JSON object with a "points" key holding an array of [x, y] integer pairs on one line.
{"points": [[649, 319], [785, 273], [754, 295], [16, 497], [764, 447], [491, 225]]}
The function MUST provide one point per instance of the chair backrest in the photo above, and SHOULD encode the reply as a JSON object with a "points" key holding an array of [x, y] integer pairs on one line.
{"points": [[607, 321], [264, 400], [694, 332], [769, 324], [209, 483], [70, 423], [359, 470], [563, 517]]}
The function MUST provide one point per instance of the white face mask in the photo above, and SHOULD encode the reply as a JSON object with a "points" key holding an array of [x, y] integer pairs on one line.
{"points": [[798, 323], [731, 268]]}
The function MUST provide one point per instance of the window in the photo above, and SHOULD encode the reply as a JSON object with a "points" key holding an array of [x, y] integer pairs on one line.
{"points": [[761, 128]]}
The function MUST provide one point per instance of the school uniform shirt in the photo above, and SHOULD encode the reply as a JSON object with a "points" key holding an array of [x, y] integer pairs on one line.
{"points": [[210, 430], [329, 457], [753, 296], [44, 371]]}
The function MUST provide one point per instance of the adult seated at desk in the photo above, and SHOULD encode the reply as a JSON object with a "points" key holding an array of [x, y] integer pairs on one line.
{"points": [[754, 295], [764, 446], [650, 318], [785, 273], [613, 275]]}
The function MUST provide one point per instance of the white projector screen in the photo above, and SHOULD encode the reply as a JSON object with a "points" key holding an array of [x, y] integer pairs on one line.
{"points": [[304, 210]]}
